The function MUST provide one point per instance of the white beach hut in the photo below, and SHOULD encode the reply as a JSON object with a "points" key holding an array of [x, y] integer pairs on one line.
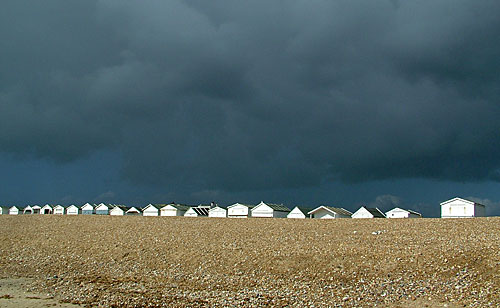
{"points": [[461, 208], [298, 212], [217, 211], [73, 210], [87, 209], [133, 211], [36, 209], [46, 209], [102, 209], [173, 209], [190, 212], [270, 210], [151, 210], [58, 210], [14, 210], [239, 210], [28, 210], [118, 210], [329, 212], [402, 213], [368, 212]]}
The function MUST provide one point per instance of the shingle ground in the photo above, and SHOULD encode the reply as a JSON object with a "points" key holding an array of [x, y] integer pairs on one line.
{"points": [[201, 262]]}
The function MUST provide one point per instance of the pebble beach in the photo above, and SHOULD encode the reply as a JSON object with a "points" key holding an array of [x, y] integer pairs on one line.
{"points": [[105, 261]]}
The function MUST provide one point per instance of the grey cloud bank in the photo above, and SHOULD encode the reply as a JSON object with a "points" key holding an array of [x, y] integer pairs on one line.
{"points": [[241, 96]]}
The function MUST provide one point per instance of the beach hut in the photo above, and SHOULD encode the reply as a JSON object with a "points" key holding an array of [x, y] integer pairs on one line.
{"points": [[28, 210], [36, 209], [197, 211], [58, 210], [151, 210], [298, 212], [14, 210], [118, 210], [46, 209], [270, 210], [133, 211], [87, 209], [190, 212], [368, 212], [73, 210], [173, 209], [329, 212], [239, 210], [217, 211], [402, 213], [102, 209], [461, 208]]}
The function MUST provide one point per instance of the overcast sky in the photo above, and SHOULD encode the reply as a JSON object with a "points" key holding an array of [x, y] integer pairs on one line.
{"points": [[383, 103]]}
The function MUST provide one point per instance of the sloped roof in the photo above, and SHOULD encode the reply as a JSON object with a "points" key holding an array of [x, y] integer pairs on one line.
{"points": [[130, 209], [398, 209], [180, 207], [303, 209], [109, 206], [250, 206], [122, 207], [218, 206], [463, 200], [201, 211], [338, 210], [156, 206], [278, 207], [413, 212], [274, 207], [375, 212]]}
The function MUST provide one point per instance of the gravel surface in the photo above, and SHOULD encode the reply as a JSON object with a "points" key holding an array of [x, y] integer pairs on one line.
{"points": [[14, 293], [107, 261]]}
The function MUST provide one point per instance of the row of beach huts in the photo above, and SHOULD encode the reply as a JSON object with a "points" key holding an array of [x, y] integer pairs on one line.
{"points": [[237, 210], [453, 208]]}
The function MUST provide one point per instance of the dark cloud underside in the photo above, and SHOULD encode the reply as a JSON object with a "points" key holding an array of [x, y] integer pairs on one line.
{"points": [[240, 95]]}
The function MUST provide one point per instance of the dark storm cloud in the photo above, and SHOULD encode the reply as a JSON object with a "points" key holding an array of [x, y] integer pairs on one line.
{"points": [[241, 95]]}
